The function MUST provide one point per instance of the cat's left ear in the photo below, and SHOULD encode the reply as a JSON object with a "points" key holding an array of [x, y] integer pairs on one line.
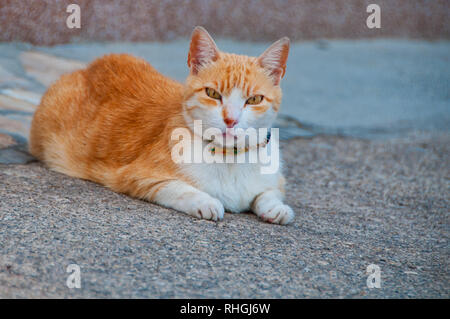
{"points": [[202, 49], [274, 59]]}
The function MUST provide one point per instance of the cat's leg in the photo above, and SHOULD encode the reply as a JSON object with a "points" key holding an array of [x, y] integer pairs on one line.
{"points": [[183, 197], [269, 207]]}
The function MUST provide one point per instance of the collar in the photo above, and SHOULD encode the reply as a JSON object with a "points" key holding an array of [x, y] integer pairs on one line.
{"points": [[235, 150]]}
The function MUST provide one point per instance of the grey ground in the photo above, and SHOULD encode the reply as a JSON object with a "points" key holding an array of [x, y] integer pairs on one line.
{"points": [[382, 200], [358, 202]]}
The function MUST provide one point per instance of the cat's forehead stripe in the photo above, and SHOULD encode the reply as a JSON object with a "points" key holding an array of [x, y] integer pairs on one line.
{"points": [[235, 78]]}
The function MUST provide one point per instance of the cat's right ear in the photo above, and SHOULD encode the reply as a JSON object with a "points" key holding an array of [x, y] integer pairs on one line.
{"points": [[202, 50], [274, 59]]}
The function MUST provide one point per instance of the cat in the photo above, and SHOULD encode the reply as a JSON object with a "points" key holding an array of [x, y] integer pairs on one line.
{"points": [[111, 123]]}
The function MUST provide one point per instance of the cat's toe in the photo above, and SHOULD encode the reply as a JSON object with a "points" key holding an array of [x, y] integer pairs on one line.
{"points": [[211, 209], [280, 214]]}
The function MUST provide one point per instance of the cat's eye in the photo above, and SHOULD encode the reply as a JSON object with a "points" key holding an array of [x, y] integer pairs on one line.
{"points": [[213, 94], [255, 100]]}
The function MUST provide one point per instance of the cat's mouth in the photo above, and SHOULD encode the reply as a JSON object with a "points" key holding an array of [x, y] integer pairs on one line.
{"points": [[229, 135]]}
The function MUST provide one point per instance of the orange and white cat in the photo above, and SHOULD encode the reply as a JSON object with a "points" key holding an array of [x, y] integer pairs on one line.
{"points": [[111, 123]]}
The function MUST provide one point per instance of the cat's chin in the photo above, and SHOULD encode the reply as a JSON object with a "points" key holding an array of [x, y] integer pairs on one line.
{"points": [[231, 141]]}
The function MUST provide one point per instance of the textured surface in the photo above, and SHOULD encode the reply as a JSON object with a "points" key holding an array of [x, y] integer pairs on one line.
{"points": [[44, 21], [357, 203]]}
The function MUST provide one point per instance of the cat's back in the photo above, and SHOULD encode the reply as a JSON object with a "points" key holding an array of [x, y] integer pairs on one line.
{"points": [[109, 83], [125, 77], [83, 114]]}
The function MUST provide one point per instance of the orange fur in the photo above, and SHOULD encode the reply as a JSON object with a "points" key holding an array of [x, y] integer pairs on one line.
{"points": [[111, 123], [231, 71], [108, 123]]}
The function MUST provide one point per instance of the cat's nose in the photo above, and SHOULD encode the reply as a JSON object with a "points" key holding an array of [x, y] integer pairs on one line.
{"points": [[230, 115], [230, 122]]}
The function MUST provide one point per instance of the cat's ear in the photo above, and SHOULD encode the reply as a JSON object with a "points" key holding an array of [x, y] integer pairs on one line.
{"points": [[202, 50], [274, 59]]}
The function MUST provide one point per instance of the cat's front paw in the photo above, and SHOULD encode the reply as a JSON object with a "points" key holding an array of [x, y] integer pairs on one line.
{"points": [[279, 214], [206, 207]]}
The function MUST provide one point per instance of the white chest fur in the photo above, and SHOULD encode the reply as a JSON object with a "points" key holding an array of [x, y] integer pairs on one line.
{"points": [[234, 184]]}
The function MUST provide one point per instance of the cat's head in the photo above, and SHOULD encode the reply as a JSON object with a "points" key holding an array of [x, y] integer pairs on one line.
{"points": [[233, 91]]}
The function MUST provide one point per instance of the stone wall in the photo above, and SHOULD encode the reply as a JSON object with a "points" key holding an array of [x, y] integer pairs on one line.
{"points": [[43, 21]]}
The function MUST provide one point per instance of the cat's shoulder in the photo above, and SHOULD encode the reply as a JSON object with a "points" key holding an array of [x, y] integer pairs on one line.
{"points": [[126, 75]]}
